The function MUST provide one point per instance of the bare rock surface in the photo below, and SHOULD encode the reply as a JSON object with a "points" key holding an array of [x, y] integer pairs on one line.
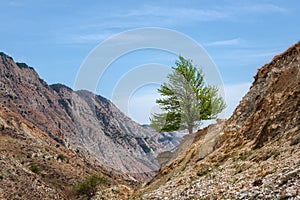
{"points": [[85, 129]]}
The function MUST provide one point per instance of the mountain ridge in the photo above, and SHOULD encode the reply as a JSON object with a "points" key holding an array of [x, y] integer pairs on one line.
{"points": [[85, 128], [252, 155]]}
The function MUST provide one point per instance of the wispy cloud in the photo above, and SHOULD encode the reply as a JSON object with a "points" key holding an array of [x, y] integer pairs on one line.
{"points": [[262, 8], [11, 3], [176, 13], [183, 15], [162, 16], [86, 38], [208, 14], [230, 42], [263, 54]]}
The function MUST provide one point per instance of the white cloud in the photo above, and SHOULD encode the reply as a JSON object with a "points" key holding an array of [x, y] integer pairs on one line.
{"points": [[262, 54], [230, 42], [176, 13], [87, 38], [163, 16], [192, 14], [262, 8]]}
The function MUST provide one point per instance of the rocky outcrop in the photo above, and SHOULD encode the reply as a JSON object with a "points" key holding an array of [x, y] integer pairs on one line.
{"points": [[165, 157], [254, 154], [271, 107], [69, 134]]}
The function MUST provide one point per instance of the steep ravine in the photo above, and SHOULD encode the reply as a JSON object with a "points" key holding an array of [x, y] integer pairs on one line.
{"points": [[252, 155], [69, 135]]}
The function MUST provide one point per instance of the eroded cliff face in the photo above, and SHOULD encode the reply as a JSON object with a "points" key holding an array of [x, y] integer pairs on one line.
{"points": [[107, 136], [23, 92], [253, 155], [271, 107], [83, 126]]}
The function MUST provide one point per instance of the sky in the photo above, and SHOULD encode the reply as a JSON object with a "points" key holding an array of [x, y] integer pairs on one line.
{"points": [[56, 37]]}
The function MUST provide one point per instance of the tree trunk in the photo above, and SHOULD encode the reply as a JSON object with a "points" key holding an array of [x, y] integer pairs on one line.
{"points": [[190, 129]]}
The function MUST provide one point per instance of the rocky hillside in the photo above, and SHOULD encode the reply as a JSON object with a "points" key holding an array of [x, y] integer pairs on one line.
{"points": [[111, 139], [33, 166], [45, 126], [253, 155]]}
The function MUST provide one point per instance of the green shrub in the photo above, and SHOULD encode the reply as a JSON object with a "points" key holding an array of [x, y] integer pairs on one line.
{"points": [[88, 187], [35, 169], [60, 157], [205, 169]]}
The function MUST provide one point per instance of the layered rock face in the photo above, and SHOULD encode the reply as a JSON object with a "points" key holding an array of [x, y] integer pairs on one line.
{"points": [[108, 137], [255, 154], [271, 107], [88, 125]]}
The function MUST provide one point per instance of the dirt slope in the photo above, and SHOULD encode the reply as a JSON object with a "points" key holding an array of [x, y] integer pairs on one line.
{"points": [[253, 155]]}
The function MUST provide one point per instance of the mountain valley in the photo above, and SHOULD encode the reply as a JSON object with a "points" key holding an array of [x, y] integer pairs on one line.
{"points": [[52, 137]]}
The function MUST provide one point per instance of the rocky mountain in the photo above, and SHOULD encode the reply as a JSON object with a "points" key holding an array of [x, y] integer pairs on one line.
{"points": [[52, 137], [255, 154], [40, 122]]}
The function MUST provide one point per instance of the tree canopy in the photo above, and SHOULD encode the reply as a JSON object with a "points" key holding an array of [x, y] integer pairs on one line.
{"points": [[186, 99]]}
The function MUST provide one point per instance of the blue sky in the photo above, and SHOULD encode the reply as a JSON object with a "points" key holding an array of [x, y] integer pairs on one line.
{"points": [[56, 36]]}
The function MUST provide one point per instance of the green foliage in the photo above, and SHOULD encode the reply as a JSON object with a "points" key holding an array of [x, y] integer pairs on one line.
{"points": [[205, 169], [88, 188], [34, 169], [186, 99], [61, 157]]}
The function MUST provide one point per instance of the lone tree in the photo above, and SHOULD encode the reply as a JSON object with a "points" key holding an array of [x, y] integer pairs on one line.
{"points": [[186, 99]]}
